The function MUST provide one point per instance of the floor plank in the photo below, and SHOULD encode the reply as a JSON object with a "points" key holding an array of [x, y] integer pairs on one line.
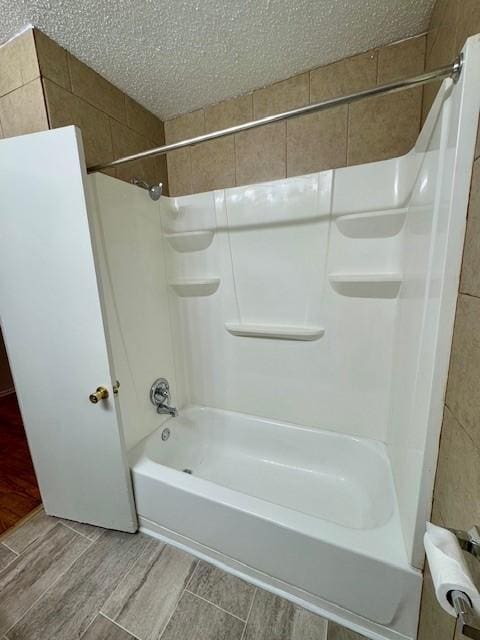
{"points": [[145, 600], [195, 618], [273, 618], [6, 556], [19, 492], [68, 608], [87, 530], [26, 578], [103, 629], [223, 589], [20, 538]]}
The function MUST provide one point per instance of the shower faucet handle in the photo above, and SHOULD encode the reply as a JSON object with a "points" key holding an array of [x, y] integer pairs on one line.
{"points": [[160, 392], [160, 397]]}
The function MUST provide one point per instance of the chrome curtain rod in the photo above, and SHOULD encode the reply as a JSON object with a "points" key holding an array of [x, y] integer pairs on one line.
{"points": [[450, 71]]}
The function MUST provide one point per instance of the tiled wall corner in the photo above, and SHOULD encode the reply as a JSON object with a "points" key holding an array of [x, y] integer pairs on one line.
{"points": [[456, 502], [18, 63], [22, 108], [65, 108], [112, 123], [378, 130]]}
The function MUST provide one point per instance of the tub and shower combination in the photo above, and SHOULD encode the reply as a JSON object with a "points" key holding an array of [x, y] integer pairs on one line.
{"points": [[304, 328]]}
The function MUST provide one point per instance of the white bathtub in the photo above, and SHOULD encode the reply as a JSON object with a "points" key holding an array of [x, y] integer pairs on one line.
{"points": [[307, 513]]}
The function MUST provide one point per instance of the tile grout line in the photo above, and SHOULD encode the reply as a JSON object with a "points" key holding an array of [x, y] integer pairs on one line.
{"points": [[197, 564], [84, 535], [10, 549], [248, 614], [88, 626], [48, 588], [176, 606], [18, 525], [117, 624], [214, 605]]}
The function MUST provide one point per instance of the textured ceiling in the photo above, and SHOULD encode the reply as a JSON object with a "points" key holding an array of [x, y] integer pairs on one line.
{"points": [[174, 56]]}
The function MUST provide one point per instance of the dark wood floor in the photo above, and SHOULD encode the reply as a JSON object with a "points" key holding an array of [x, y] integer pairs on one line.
{"points": [[19, 492]]}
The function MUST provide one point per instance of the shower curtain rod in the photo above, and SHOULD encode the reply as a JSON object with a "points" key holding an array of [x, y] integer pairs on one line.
{"points": [[450, 71]]}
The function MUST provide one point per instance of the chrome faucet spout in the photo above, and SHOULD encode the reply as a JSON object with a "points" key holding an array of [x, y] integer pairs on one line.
{"points": [[165, 408]]}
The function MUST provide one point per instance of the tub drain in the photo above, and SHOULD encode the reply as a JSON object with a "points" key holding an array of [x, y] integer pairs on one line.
{"points": [[189, 471]]}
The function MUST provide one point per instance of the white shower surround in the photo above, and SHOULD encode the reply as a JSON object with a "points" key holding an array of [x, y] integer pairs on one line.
{"points": [[325, 301], [305, 326]]}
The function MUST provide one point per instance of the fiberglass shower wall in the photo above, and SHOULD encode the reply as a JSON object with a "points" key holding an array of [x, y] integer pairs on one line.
{"points": [[316, 300]]}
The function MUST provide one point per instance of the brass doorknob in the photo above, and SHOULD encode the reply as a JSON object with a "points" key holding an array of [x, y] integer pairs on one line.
{"points": [[100, 394]]}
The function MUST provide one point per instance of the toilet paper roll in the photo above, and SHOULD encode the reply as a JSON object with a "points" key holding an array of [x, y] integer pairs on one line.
{"points": [[448, 567]]}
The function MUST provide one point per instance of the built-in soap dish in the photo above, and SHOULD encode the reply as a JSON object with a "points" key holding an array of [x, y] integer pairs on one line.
{"points": [[279, 332], [366, 285], [190, 241], [372, 224], [195, 287]]}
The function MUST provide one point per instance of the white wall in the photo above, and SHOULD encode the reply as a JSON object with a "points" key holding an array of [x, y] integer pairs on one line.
{"points": [[132, 276], [272, 247], [431, 260]]}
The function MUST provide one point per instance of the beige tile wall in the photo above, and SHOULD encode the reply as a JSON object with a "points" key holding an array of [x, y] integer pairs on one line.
{"points": [[22, 110], [112, 124], [42, 86], [376, 129], [457, 486]]}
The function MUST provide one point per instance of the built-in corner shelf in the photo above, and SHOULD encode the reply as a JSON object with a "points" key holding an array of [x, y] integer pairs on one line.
{"points": [[195, 287], [366, 285], [372, 224], [280, 332], [189, 241]]}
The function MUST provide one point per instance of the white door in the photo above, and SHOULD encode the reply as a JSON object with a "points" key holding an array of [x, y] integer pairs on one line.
{"points": [[57, 342]]}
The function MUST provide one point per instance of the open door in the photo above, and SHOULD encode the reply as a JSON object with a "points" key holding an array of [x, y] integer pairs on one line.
{"points": [[56, 338]]}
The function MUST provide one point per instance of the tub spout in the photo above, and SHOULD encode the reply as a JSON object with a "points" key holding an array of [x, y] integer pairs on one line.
{"points": [[165, 408]]}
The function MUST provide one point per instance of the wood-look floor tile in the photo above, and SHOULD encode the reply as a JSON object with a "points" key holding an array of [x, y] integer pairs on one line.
{"points": [[68, 608], [25, 579], [273, 618], [196, 619], [6, 556], [145, 600], [103, 629], [88, 530], [223, 589], [337, 632], [33, 529]]}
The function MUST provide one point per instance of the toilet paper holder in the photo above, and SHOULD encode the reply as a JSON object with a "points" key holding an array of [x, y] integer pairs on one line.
{"points": [[468, 620]]}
